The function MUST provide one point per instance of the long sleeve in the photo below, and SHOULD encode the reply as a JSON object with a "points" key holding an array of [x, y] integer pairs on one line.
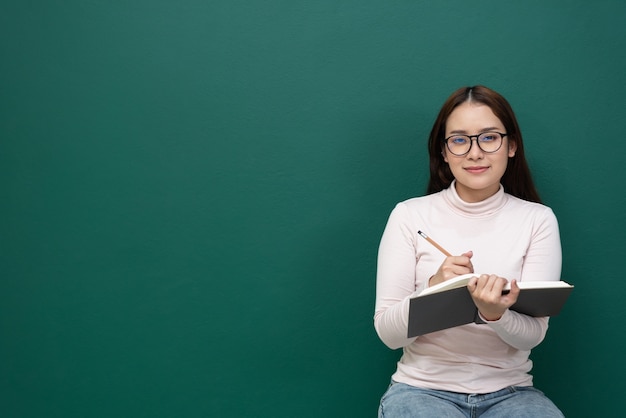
{"points": [[509, 237], [542, 262], [396, 280], [520, 331]]}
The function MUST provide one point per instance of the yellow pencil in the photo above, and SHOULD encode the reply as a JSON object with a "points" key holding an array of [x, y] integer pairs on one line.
{"points": [[437, 246]]}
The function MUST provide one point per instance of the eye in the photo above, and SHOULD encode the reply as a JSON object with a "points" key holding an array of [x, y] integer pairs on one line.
{"points": [[458, 140], [489, 137]]}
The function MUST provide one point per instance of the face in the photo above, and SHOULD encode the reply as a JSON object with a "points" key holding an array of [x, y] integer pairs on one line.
{"points": [[477, 173]]}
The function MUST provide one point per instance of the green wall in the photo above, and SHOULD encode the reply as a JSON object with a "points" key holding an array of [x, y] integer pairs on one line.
{"points": [[192, 194]]}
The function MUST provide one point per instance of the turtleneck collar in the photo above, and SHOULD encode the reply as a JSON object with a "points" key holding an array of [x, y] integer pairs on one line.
{"points": [[480, 209]]}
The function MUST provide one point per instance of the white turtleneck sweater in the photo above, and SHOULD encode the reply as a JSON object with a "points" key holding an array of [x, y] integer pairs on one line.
{"points": [[511, 238]]}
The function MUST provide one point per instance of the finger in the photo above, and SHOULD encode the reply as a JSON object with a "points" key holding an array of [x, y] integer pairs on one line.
{"points": [[489, 286], [472, 285], [480, 283], [496, 283], [454, 266], [460, 260], [469, 265]]}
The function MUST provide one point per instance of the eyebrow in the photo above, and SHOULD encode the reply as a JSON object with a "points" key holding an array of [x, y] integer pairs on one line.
{"points": [[464, 132]]}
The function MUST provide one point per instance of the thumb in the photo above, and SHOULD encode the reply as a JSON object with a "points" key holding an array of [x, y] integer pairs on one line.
{"points": [[469, 254]]}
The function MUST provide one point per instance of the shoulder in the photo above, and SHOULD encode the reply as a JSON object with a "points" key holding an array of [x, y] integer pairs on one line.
{"points": [[421, 201], [410, 209], [534, 209], [526, 204]]}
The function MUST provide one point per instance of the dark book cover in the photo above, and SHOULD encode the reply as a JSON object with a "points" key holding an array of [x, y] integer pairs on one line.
{"points": [[454, 307]]}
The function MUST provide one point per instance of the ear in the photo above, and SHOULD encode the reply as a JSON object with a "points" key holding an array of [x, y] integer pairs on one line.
{"points": [[443, 153], [512, 148]]}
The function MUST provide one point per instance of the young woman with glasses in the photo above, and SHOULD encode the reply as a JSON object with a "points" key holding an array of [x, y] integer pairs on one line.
{"points": [[482, 206]]}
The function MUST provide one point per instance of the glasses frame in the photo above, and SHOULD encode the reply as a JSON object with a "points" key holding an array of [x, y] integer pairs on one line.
{"points": [[473, 138]]}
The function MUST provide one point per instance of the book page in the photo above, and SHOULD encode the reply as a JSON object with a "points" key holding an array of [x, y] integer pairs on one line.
{"points": [[463, 279], [549, 284], [453, 283]]}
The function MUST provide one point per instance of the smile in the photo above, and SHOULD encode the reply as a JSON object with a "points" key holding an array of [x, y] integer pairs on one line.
{"points": [[476, 170]]}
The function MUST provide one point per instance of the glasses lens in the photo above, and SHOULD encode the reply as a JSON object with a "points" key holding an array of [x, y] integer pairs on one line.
{"points": [[490, 141], [459, 144]]}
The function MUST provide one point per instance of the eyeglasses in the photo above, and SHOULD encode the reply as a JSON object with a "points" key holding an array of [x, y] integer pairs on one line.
{"points": [[462, 144]]}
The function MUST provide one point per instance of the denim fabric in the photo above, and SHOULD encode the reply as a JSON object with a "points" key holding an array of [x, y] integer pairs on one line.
{"points": [[403, 400]]}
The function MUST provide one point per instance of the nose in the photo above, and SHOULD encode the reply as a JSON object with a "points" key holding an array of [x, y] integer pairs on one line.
{"points": [[474, 153]]}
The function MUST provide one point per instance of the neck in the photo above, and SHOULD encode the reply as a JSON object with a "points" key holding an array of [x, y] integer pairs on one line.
{"points": [[475, 196]]}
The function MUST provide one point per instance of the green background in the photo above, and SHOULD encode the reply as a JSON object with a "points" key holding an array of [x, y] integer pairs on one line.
{"points": [[193, 192]]}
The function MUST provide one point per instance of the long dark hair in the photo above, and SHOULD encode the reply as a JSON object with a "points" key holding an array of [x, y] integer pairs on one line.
{"points": [[517, 179]]}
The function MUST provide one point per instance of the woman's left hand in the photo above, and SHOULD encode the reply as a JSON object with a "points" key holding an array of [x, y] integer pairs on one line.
{"points": [[486, 291]]}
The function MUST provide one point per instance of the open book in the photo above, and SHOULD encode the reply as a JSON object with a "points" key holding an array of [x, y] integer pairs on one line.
{"points": [[449, 304]]}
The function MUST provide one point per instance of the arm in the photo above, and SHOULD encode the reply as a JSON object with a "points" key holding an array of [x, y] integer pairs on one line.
{"points": [[395, 279], [520, 331], [541, 262]]}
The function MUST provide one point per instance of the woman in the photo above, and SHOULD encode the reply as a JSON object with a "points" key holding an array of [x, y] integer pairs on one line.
{"points": [[483, 206]]}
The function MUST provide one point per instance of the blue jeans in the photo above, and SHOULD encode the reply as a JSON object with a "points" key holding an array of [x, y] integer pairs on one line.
{"points": [[402, 400]]}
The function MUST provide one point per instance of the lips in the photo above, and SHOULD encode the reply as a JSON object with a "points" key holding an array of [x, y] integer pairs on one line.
{"points": [[476, 169]]}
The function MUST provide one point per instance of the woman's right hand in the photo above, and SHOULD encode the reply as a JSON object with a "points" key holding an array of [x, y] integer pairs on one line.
{"points": [[453, 266]]}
